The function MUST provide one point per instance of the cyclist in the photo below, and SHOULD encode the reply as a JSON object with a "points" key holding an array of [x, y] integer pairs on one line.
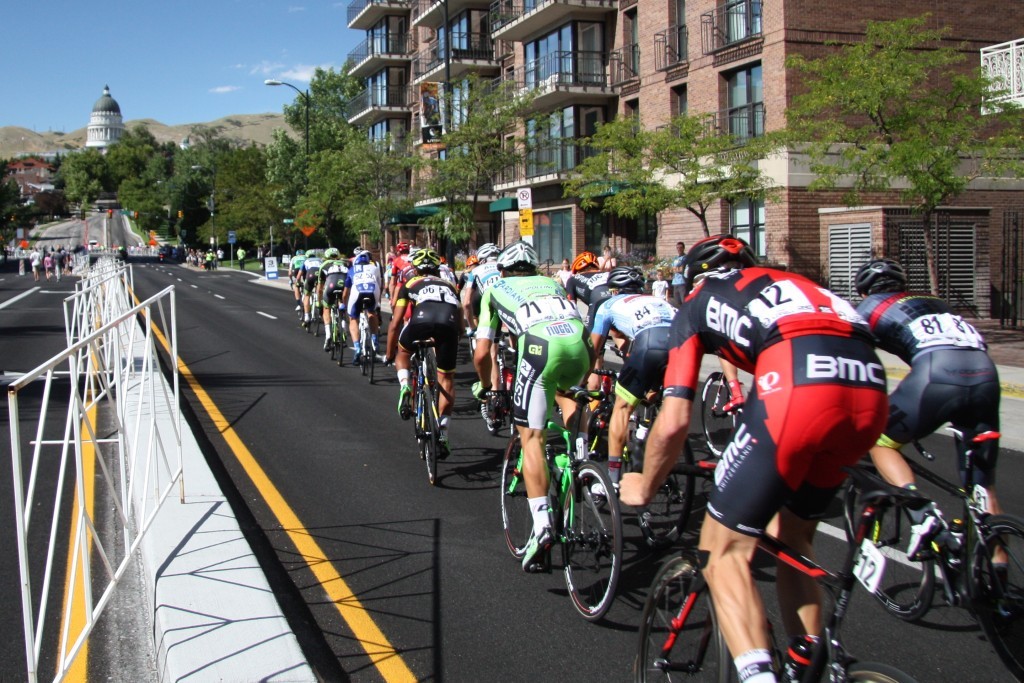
{"points": [[589, 284], [952, 379], [644, 321], [398, 264], [480, 278], [554, 354], [308, 278], [362, 290], [294, 268], [817, 404], [330, 280], [428, 306], [471, 261]]}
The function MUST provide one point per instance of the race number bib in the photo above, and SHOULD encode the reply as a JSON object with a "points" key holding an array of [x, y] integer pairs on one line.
{"points": [[546, 309], [945, 329], [438, 293], [778, 300]]}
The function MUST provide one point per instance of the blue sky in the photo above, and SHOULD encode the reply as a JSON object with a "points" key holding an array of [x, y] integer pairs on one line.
{"points": [[176, 61]]}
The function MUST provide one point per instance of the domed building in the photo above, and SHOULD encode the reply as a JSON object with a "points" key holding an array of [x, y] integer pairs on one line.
{"points": [[105, 124]]}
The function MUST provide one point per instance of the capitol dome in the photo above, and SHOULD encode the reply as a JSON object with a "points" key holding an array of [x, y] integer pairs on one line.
{"points": [[105, 124]]}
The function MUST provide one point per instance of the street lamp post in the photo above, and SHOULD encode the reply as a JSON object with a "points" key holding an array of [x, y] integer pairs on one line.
{"points": [[305, 97]]}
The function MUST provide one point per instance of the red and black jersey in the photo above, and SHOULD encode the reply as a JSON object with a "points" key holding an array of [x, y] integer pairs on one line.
{"points": [[740, 313]]}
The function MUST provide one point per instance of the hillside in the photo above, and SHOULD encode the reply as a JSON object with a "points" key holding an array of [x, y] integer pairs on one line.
{"points": [[258, 128]]}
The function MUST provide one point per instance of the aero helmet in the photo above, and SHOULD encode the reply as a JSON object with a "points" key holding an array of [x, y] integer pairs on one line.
{"points": [[518, 256], [426, 260], [626, 279], [332, 253], [585, 259], [712, 253], [880, 275], [486, 251]]}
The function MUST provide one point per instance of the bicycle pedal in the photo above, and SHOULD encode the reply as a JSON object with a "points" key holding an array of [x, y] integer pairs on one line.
{"points": [[542, 563]]}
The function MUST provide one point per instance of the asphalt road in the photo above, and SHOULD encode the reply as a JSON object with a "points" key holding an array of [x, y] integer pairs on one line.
{"points": [[428, 563]]}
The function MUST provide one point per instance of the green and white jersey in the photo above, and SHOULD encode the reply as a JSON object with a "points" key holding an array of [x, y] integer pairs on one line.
{"points": [[528, 303]]}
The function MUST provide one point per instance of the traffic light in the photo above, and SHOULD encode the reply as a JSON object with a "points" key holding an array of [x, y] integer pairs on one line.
{"points": [[110, 213], [136, 215], [181, 214]]}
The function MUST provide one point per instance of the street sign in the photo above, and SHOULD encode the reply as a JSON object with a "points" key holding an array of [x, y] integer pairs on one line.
{"points": [[526, 222], [270, 265], [288, 221], [231, 236], [524, 197]]}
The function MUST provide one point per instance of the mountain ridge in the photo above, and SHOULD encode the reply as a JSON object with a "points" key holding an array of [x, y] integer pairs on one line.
{"points": [[16, 141]]}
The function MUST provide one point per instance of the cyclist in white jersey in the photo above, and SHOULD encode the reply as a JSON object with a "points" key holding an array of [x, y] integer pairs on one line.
{"points": [[363, 286]]}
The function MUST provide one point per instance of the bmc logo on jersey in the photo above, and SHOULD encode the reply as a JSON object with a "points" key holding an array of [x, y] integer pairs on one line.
{"points": [[846, 369], [723, 318]]}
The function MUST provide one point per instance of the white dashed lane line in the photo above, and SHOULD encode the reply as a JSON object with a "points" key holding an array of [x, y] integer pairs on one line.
{"points": [[267, 315], [218, 296], [194, 286], [19, 297]]}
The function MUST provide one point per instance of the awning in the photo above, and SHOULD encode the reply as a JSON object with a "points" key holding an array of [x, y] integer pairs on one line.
{"points": [[503, 204], [413, 216]]}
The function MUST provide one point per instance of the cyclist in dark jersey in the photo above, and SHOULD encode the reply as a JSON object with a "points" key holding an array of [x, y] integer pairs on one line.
{"points": [[817, 404], [429, 307], [952, 379], [587, 284], [307, 282], [294, 268]]}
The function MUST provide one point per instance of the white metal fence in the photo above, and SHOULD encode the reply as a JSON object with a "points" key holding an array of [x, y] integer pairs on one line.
{"points": [[122, 423]]}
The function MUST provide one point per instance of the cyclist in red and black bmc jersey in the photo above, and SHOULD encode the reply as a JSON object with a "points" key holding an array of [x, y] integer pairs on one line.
{"points": [[952, 379], [817, 404], [398, 264]]}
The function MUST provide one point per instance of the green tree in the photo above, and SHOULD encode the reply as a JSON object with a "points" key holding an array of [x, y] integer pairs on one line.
{"points": [[245, 201], [286, 171], [85, 175], [688, 164], [479, 146], [902, 109], [329, 93]]}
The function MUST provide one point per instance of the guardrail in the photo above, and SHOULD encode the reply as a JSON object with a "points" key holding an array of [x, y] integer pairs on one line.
{"points": [[120, 446]]}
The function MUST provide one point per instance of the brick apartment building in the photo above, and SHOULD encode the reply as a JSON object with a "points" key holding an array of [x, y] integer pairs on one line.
{"points": [[593, 60], [31, 174]]}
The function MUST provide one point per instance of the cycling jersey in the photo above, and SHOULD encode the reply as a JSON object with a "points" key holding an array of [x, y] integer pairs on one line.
{"points": [[477, 280], [363, 283], [332, 274], [432, 312], [310, 268], [818, 399], [645, 321], [553, 352], [591, 288], [951, 379]]}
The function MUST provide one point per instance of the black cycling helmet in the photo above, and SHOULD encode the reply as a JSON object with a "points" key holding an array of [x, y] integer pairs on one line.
{"points": [[880, 275], [626, 279], [716, 252]]}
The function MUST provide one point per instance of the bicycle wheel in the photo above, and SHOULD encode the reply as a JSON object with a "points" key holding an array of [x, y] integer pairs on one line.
{"points": [[998, 592], [874, 672], [679, 637], [717, 424], [372, 354], [429, 429], [665, 518], [516, 518], [593, 542], [907, 586]]}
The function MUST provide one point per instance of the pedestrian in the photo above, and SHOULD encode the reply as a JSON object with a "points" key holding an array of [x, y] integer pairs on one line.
{"points": [[241, 258], [563, 274], [605, 262], [35, 259], [678, 288], [659, 287]]}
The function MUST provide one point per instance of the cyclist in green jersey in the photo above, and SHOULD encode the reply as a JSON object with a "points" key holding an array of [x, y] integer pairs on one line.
{"points": [[554, 354], [294, 269]]}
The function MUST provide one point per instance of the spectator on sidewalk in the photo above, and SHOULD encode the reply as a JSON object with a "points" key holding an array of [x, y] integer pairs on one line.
{"points": [[35, 259], [241, 258], [678, 263]]}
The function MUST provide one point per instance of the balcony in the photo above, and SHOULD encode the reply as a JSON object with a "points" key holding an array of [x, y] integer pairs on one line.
{"points": [[729, 25], [561, 78], [742, 122], [470, 52], [670, 48], [376, 53], [624, 65], [376, 103], [430, 13], [1004, 64], [364, 14], [517, 20], [545, 163]]}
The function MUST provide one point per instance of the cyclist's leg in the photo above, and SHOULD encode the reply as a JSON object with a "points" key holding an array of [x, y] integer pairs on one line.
{"points": [[643, 370], [732, 380], [799, 598], [354, 305]]}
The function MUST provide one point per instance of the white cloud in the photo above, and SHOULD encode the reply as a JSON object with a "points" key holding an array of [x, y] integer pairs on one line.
{"points": [[220, 89], [266, 68], [301, 72]]}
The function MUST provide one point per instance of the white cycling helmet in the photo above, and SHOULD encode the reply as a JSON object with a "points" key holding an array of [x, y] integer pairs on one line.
{"points": [[518, 256], [486, 251]]}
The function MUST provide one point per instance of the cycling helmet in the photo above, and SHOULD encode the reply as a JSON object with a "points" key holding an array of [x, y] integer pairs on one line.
{"points": [[361, 256], [486, 251], [626, 279], [472, 261], [585, 259], [300, 252], [716, 252], [402, 248], [880, 275], [518, 256], [426, 260], [332, 253]]}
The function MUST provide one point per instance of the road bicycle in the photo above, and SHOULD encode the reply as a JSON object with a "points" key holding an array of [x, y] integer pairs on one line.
{"points": [[496, 408], [338, 334], [588, 522], [718, 424], [315, 322], [424, 391], [679, 635], [368, 343], [960, 557]]}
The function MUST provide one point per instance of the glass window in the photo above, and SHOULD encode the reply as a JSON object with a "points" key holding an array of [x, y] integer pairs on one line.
{"points": [[746, 219], [679, 102], [552, 236], [596, 230], [746, 102]]}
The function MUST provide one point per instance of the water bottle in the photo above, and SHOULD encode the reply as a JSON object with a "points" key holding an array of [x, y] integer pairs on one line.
{"points": [[956, 535], [641, 432], [798, 657]]}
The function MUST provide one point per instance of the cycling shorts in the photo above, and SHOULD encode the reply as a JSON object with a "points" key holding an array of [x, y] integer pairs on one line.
{"points": [[357, 301], [959, 386], [644, 369], [334, 285], [546, 364], [445, 336], [817, 405], [310, 284]]}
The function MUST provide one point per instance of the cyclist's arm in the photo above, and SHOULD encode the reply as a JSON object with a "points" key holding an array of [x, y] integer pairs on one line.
{"points": [[394, 329]]}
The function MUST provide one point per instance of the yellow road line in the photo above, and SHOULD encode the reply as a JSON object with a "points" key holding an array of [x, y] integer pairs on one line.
{"points": [[377, 647]]}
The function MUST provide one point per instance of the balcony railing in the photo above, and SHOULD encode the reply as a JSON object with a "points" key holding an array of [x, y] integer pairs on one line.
{"points": [[562, 68], [624, 64], [465, 47], [742, 122], [550, 157], [392, 96], [356, 7], [505, 12], [1004, 64], [729, 24], [387, 44], [670, 47]]}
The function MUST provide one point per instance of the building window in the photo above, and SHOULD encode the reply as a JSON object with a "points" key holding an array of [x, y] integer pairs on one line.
{"points": [[746, 221], [596, 230], [552, 236], [746, 103], [679, 104], [631, 108]]}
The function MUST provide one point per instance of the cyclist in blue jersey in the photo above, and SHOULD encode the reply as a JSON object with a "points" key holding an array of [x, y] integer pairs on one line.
{"points": [[363, 287]]}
